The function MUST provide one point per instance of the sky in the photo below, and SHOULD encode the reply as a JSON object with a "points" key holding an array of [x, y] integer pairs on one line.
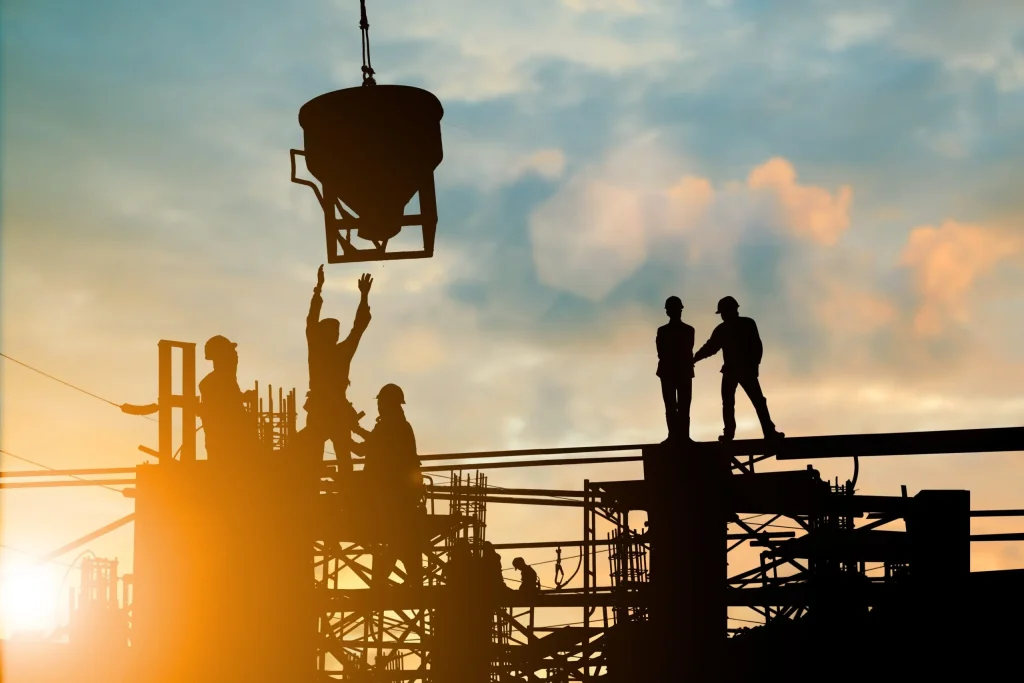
{"points": [[848, 172]]}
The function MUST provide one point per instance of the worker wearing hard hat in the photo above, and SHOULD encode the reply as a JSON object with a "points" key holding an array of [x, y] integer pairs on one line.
{"points": [[395, 484], [330, 414], [230, 429], [675, 369], [740, 344]]}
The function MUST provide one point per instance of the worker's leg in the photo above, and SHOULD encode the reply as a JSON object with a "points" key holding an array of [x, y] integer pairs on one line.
{"points": [[383, 565], [317, 428], [752, 387], [685, 399], [412, 560], [728, 407], [341, 440], [668, 395]]}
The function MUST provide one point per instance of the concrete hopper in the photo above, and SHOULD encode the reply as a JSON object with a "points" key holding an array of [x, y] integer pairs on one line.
{"points": [[372, 149]]}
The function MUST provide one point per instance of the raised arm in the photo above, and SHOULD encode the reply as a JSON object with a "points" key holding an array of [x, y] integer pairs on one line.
{"points": [[315, 304], [711, 346], [362, 320]]}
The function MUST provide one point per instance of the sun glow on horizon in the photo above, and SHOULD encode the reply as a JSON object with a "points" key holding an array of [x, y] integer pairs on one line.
{"points": [[28, 599]]}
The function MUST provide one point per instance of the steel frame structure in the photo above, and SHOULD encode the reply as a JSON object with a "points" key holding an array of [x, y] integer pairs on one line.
{"points": [[823, 564]]}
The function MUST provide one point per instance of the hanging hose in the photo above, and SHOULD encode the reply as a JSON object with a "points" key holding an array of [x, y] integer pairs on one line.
{"points": [[856, 473], [560, 584], [364, 27]]}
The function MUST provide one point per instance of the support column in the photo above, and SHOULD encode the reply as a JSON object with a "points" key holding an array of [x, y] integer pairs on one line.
{"points": [[939, 530], [688, 563]]}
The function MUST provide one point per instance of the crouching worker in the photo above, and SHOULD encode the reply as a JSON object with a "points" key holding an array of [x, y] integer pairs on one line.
{"points": [[394, 486], [529, 581]]}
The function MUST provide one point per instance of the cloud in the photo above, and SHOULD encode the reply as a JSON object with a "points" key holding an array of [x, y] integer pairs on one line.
{"points": [[606, 221], [849, 29], [810, 212], [946, 262]]}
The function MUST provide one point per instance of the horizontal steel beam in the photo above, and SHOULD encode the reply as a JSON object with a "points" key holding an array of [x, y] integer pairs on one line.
{"points": [[529, 463], [1001, 440]]}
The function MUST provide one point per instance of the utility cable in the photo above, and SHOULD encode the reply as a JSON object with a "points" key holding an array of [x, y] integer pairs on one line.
{"points": [[67, 384], [47, 467]]}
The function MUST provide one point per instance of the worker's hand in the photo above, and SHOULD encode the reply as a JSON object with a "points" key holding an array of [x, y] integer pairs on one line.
{"points": [[364, 283], [320, 277]]}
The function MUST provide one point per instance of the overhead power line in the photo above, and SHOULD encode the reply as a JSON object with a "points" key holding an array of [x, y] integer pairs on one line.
{"points": [[47, 467], [67, 384]]}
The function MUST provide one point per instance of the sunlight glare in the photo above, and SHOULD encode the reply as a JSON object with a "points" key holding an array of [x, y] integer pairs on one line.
{"points": [[28, 599]]}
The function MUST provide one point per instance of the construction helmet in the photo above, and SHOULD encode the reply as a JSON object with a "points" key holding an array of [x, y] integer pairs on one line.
{"points": [[217, 346], [391, 392], [727, 304], [673, 302]]}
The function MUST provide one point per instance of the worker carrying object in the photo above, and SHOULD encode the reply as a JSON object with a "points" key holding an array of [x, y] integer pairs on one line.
{"points": [[741, 348], [230, 429], [529, 581], [329, 413], [675, 369], [395, 486]]}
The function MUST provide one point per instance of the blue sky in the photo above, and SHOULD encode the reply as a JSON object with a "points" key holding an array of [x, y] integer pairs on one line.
{"points": [[850, 173]]}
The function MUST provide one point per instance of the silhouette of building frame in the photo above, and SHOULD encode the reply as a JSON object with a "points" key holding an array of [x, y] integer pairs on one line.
{"points": [[660, 610]]}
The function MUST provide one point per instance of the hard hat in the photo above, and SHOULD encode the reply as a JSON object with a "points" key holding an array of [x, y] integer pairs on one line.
{"points": [[217, 346], [392, 392], [518, 561], [673, 302], [727, 304]]}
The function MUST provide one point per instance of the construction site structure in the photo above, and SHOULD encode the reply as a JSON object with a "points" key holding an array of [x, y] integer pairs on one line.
{"points": [[262, 568]]}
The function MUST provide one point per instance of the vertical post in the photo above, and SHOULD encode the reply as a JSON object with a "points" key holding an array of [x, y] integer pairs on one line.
{"points": [[589, 534], [428, 212], [188, 402], [939, 530], [164, 401], [687, 494]]}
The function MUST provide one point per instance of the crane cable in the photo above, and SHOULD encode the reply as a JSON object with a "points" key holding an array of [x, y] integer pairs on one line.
{"points": [[364, 27]]}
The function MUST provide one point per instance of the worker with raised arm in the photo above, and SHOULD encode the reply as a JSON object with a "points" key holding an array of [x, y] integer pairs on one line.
{"points": [[740, 344], [230, 429], [330, 415], [394, 487], [675, 369]]}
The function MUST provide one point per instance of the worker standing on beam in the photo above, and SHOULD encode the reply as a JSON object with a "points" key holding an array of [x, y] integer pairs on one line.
{"points": [[230, 429], [675, 369], [330, 415], [741, 348], [395, 487]]}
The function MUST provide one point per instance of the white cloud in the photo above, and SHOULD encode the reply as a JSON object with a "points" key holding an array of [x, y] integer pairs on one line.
{"points": [[607, 220], [850, 29]]}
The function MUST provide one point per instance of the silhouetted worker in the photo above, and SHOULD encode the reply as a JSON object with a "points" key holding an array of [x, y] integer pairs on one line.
{"points": [[529, 581], [330, 415], [230, 429], [494, 579], [740, 344], [675, 369], [392, 471]]}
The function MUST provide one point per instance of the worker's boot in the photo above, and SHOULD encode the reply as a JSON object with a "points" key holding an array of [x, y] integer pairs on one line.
{"points": [[726, 437]]}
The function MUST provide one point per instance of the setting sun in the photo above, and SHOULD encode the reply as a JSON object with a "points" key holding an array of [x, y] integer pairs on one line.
{"points": [[28, 599]]}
